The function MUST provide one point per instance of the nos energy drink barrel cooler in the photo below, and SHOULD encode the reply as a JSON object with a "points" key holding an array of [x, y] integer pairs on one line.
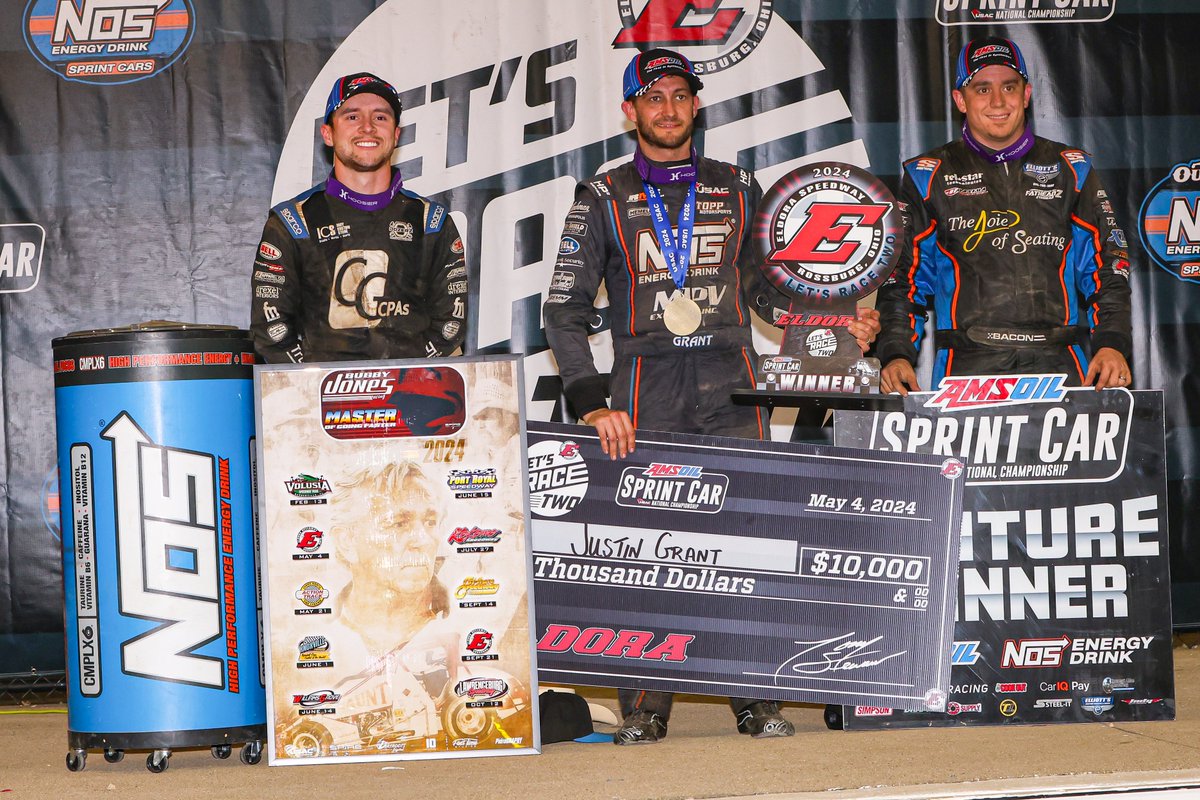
{"points": [[155, 443]]}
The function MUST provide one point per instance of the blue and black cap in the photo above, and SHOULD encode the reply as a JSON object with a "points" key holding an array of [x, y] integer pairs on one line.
{"points": [[646, 68], [361, 83], [980, 53]]}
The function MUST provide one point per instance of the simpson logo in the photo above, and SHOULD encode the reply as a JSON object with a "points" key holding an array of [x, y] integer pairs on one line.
{"points": [[959, 393], [21, 247], [734, 30], [674, 487], [154, 524], [1033, 653], [974, 12], [1169, 222], [481, 688], [1141, 701], [558, 477], [827, 231], [308, 541], [308, 490], [872, 711], [108, 41]]}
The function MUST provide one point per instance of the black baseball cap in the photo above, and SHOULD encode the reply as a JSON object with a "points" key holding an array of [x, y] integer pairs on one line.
{"points": [[646, 68], [361, 83], [980, 53], [565, 717]]}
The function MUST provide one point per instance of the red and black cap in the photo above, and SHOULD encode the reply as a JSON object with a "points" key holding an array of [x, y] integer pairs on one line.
{"points": [[980, 53], [361, 83]]}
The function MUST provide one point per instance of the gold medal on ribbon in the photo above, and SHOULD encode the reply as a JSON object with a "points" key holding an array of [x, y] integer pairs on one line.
{"points": [[682, 315]]}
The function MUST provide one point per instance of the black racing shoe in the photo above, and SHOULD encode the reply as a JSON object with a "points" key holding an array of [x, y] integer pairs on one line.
{"points": [[762, 720], [641, 727]]}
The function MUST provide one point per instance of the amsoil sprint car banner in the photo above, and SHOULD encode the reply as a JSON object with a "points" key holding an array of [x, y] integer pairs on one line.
{"points": [[1064, 603], [737, 567], [396, 581]]}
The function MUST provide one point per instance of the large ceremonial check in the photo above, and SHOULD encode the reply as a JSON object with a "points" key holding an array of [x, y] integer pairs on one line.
{"points": [[1064, 604], [395, 563], [744, 568]]}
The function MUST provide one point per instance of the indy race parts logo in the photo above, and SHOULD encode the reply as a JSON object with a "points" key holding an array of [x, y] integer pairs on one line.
{"points": [[1170, 222], [828, 231], [108, 41]]}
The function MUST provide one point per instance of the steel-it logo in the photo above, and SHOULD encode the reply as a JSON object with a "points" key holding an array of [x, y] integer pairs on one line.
{"points": [[108, 41], [1033, 653], [958, 393], [165, 503]]}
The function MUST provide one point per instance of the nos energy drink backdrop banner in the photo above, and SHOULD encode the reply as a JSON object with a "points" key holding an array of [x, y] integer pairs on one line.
{"points": [[155, 435], [1063, 610]]}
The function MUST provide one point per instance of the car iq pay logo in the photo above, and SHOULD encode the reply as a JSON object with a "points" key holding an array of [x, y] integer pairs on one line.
{"points": [[108, 41]]}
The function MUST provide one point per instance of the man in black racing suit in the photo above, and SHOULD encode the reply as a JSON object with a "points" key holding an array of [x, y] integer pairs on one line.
{"points": [[358, 267], [1013, 242], [679, 310]]}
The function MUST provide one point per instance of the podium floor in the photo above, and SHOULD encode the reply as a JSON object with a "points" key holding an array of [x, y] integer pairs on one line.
{"points": [[703, 757]]}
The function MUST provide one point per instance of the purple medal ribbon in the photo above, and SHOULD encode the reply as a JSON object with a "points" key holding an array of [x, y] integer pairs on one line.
{"points": [[364, 202], [676, 249], [652, 173], [1016, 150]]}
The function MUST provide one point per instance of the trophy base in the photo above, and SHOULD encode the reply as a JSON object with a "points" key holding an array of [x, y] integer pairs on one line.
{"points": [[787, 373], [826, 400]]}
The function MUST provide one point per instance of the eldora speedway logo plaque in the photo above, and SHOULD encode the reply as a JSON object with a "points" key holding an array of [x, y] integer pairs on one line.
{"points": [[828, 234]]}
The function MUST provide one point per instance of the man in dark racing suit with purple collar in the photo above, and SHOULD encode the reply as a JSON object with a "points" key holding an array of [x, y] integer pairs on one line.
{"points": [[358, 267], [669, 236], [1013, 242]]}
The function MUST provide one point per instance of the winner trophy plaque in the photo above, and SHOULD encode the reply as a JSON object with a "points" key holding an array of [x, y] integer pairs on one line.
{"points": [[829, 234]]}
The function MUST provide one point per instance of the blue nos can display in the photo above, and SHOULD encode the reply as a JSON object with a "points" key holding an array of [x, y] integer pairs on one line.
{"points": [[159, 550]]}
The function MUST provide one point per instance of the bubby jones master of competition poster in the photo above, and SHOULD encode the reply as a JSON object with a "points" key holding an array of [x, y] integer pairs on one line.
{"points": [[397, 619]]}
